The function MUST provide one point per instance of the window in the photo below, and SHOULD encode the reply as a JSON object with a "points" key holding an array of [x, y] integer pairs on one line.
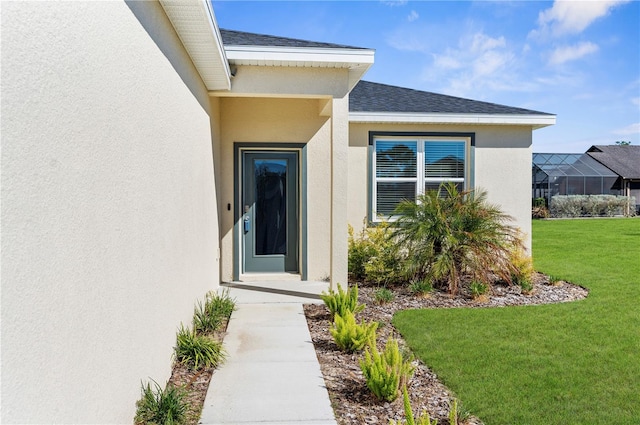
{"points": [[405, 166]]}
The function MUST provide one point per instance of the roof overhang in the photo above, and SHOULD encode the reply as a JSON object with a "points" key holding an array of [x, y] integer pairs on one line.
{"points": [[357, 61], [195, 24], [535, 121]]}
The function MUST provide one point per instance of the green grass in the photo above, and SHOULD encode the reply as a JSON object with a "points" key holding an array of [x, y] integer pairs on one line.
{"points": [[572, 363]]}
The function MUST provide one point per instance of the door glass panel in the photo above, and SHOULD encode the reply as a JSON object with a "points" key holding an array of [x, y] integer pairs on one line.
{"points": [[270, 206]]}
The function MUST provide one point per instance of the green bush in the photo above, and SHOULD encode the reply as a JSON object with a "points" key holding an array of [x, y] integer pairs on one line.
{"points": [[197, 351], [386, 371], [478, 289], [158, 407], [423, 419], [522, 273], [342, 301], [350, 336], [217, 308], [373, 255], [459, 233], [421, 288], [384, 295], [591, 205]]}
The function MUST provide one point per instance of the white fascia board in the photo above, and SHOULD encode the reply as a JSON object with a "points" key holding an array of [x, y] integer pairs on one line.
{"points": [[346, 57], [536, 121], [196, 26]]}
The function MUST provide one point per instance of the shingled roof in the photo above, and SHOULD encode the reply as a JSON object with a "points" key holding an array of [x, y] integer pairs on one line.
{"points": [[375, 97], [240, 38], [622, 160]]}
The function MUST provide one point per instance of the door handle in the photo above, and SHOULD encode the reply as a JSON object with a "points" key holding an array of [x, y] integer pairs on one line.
{"points": [[247, 223]]}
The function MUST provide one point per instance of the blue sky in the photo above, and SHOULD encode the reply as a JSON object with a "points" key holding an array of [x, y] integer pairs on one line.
{"points": [[577, 59]]}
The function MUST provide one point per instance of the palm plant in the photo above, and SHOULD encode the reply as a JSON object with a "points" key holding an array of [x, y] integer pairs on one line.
{"points": [[459, 233]]}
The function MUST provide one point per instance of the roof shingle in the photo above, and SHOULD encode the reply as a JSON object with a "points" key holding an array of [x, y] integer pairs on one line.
{"points": [[375, 97], [240, 38], [622, 160]]}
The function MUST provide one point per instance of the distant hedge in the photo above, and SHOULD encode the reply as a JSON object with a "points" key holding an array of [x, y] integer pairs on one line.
{"points": [[590, 205]]}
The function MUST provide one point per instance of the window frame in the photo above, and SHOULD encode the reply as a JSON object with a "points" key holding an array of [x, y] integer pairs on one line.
{"points": [[420, 179]]}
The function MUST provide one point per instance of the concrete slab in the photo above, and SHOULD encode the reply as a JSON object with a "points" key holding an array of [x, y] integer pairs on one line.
{"points": [[261, 292], [272, 375]]}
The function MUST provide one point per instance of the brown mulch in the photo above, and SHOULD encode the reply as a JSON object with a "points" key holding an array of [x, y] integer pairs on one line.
{"points": [[352, 401]]}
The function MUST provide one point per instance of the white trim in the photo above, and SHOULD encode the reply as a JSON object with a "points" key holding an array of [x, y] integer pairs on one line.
{"points": [[536, 121], [347, 57], [420, 179]]}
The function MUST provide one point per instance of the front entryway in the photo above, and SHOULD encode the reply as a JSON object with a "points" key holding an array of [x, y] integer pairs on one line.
{"points": [[270, 211]]}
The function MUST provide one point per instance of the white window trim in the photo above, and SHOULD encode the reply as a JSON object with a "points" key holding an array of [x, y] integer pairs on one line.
{"points": [[420, 181]]}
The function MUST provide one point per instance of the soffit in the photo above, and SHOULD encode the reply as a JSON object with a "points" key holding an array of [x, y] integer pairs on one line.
{"points": [[198, 30], [357, 61]]}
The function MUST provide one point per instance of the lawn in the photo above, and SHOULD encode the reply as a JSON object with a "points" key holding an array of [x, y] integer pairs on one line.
{"points": [[573, 363]]}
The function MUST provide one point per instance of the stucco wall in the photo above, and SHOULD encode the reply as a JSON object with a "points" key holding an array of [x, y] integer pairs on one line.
{"points": [[271, 121], [109, 229], [502, 167]]}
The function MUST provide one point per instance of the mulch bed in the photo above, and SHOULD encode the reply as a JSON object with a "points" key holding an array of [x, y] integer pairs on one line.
{"points": [[352, 401]]}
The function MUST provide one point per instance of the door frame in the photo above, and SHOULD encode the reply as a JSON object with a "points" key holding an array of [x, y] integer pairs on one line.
{"points": [[239, 149]]}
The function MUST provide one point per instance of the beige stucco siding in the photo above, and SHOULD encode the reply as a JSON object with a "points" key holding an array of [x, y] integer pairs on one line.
{"points": [[501, 166], [109, 229], [270, 122]]}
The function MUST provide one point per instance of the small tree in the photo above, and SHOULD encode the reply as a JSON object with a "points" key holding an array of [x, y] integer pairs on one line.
{"points": [[446, 237]]}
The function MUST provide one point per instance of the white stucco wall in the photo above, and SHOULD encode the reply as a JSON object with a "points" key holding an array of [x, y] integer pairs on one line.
{"points": [[501, 166], [109, 228]]}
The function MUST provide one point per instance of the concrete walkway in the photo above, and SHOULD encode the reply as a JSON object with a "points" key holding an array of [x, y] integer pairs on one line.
{"points": [[272, 374]]}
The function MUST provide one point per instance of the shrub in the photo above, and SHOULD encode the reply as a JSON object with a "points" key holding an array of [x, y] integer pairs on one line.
{"points": [[386, 371], [349, 335], [456, 234], [216, 309], [384, 295], [373, 255], [168, 407], [591, 205], [341, 301], [522, 273], [423, 419], [478, 289], [197, 351], [421, 288]]}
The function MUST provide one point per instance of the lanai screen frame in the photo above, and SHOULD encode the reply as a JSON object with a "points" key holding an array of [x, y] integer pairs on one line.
{"points": [[570, 174]]}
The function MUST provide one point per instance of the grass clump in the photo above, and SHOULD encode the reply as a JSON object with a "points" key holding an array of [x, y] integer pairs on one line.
{"points": [[384, 296], [350, 336], [217, 308], [421, 288], [478, 289], [197, 351], [385, 371], [161, 407], [342, 301]]}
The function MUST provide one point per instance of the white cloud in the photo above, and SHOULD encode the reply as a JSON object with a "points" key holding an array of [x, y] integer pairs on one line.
{"points": [[635, 101], [632, 129], [413, 16], [477, 63], [572, 17], [394, 3], [570, 53]]}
